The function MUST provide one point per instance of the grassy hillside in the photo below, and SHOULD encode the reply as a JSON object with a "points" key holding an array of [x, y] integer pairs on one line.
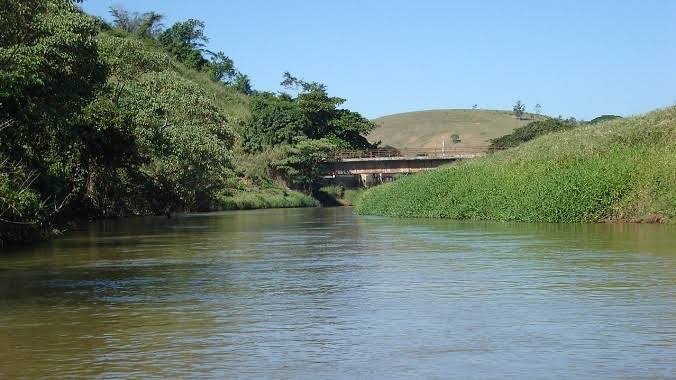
{"points": [[619, 170], [426, 129]]}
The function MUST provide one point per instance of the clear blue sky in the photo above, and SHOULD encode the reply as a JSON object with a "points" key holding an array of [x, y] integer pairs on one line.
{"points": [[577, 58]]}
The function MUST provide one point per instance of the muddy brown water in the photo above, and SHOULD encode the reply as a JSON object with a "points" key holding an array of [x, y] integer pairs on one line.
{"points": [[324, 293]]}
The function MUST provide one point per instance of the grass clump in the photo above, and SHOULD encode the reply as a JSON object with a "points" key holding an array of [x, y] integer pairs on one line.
{"points": [[620, 170]]}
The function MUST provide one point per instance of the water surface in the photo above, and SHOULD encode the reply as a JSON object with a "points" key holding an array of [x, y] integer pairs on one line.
{"points": [[322, 293]]}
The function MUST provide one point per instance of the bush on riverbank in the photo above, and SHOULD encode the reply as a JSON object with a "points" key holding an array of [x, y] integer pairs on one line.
{"points": [[620, 170], [531, 131], [268, 198]]}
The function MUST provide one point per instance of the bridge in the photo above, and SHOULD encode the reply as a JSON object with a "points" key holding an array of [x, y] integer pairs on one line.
{"points": [[378, 165]]}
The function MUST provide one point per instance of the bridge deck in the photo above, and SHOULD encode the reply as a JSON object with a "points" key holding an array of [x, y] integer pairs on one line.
{"points": [[383, 154], [393, 161], [446, 156]]}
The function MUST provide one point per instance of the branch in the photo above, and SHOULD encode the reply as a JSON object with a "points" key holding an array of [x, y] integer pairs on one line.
{"points": [[6, 123]]}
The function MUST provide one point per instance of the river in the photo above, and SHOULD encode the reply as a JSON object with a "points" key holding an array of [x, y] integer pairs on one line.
{"points": [[324, 293]]}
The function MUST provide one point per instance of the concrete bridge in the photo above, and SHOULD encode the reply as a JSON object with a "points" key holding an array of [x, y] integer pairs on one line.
{"points": [[371, 166]]}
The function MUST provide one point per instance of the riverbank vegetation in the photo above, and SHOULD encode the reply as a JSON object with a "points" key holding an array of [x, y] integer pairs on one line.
{"points": [[617, 170], [103, 119]]}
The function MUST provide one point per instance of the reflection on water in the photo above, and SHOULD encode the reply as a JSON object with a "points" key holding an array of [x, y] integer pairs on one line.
{"points": [[322, 293]]}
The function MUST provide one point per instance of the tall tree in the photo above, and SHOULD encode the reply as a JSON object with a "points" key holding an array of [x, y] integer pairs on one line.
{"points": [[519, 109], [538, 109], [222, 68], [151, 25], [186, 41], [242, 83]]}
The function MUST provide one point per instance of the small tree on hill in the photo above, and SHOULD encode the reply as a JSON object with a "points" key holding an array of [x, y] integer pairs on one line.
{"points": [[519, 109], [538, 109]]}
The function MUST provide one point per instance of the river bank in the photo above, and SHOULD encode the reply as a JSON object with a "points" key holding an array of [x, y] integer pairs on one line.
{"points": [[616, 171]]}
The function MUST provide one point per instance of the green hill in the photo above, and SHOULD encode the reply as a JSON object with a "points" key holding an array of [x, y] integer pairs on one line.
{"points": [[427, 129], [619, 170]]}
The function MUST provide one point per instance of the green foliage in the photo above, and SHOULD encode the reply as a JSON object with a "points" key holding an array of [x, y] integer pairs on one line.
{"points": [[21, 210], [620, 170], [309, 126], [242, 84], [275, 120], [348, 128], [49, 73], [49, 69], [182, 135], [256, 169], [134, 120], [604, 118], [268, 198], [313, 114], [301, 165], [107, 125], [186, 41], [519, 109], [530, 131], [222, 68], [142, 24], [128, 57]]}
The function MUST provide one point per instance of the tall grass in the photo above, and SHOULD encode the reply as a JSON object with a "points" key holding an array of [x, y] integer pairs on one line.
{"points": [[617, 170], [267, 198]]}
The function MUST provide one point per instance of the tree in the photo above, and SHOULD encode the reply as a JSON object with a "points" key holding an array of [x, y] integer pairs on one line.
{"points": [[519, 109], [475, 106], [275, 120], [143, 24], [291, 82], [186, 41], [151, 25], [306, 126], [538, 109], [242, 83], [302, 163], [222, 68]]}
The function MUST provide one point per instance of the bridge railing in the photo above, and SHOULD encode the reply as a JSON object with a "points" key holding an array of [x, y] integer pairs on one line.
{"points": [[409, 153]]}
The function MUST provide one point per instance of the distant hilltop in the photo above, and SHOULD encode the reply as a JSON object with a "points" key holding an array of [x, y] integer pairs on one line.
{"points": [[427, 129]]}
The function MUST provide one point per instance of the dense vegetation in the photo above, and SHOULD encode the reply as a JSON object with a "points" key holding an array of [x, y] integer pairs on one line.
{"points": [[288, 137], [102, 120], [532, 130], [622, 170], [603, 118]]}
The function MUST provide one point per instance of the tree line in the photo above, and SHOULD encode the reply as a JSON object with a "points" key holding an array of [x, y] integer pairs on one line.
{"points": [[102, 119]]}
